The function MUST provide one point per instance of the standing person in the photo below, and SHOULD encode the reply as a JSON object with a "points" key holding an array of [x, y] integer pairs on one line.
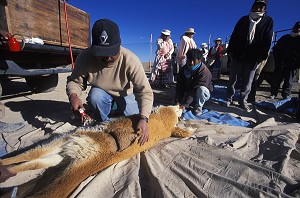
{"points": [[162, 67], [115, 74], [193, 83], [186, 42], [215, 53], [175, 65], [287, 60], [248, 46], [204, 51]]}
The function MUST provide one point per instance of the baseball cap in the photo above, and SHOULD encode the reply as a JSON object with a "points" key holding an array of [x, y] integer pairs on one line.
{"points": [[106, 40]]}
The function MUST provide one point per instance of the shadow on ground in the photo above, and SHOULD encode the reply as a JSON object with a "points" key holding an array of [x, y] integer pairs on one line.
{"points": [[40, 112]]}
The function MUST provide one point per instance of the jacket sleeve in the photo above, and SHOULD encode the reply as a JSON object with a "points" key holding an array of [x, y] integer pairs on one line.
{"points": [[77, 81], [267, 40], [141, 87], [234, 37], [182, 49]]}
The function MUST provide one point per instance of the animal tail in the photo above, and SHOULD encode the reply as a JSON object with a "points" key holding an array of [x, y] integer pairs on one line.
{"points": [[180, 133]]}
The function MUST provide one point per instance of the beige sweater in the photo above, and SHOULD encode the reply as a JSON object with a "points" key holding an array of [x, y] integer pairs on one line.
{"points": [[118, 79]]}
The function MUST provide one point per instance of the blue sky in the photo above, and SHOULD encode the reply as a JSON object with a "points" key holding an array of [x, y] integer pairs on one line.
{"points": [[138, 19]]}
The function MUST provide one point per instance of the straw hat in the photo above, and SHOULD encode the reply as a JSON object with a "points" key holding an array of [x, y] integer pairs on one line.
{"points": [[190, 31], [218, 39], [166, 32], [204, 45]]}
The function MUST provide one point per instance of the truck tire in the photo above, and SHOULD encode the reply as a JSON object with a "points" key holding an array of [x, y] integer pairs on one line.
{"points": [[39, 84]]}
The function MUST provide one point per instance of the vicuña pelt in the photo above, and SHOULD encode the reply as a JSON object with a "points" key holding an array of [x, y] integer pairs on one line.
{"points": [[88, 150]]}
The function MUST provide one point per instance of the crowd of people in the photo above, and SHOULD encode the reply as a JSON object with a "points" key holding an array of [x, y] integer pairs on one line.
{"points": [[119, 83], [248, 51]]}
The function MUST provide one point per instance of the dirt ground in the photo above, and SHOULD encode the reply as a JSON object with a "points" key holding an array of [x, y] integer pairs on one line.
{"points": [[21, 105], [18, 99]]}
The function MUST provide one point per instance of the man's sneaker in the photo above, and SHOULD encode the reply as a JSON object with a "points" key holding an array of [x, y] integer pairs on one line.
{"points": [[197, 111], [245, 107], [229, 103], [272, 97], [167, 86]]}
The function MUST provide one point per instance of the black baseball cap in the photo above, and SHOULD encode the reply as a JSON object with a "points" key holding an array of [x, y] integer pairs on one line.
{"points": [[106, 40]]}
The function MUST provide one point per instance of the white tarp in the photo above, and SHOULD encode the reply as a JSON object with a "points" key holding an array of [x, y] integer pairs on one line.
{"points": [[217, 161]]}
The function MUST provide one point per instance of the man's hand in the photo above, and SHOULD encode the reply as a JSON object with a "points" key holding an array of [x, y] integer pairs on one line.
{"points": [[143, 125], [76, 102]]}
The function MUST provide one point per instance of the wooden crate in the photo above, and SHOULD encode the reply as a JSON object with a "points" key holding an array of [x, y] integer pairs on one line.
{"points": [[45, 19]]}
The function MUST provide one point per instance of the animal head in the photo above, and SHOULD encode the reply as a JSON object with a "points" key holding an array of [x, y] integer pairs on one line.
{"points": [[170, 114]]}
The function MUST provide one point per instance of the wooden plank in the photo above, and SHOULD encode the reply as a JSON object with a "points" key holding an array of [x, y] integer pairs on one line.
{"points": [[45, 19]]}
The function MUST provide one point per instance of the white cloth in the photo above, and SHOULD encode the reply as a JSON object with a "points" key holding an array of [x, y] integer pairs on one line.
{"points": [[204, 55], [186, 43], [253, 22]]}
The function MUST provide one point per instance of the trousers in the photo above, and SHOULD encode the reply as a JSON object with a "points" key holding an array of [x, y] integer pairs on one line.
{"points": [[243, 72], [102, 104], [202, 95]]}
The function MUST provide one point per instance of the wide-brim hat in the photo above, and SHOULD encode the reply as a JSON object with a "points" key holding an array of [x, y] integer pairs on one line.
{"points": [[106, 40], [166, 32], [203, 44], [190, 31], [218, 39]]}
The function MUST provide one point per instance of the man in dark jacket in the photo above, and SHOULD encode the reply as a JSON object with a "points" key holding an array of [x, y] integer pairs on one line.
{"points": [[287, 60], [193, 83], [248, 46]]}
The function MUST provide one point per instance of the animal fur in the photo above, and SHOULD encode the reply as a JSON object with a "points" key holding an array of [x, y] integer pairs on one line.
{"points": [[91, 150]]}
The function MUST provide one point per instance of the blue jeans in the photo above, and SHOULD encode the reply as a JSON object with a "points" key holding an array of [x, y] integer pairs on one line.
{"points": [[102, 103], [202, 95], [244, 71]]}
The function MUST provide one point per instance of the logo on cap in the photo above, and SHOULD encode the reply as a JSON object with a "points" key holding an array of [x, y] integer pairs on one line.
{"points": [[103, 38]]}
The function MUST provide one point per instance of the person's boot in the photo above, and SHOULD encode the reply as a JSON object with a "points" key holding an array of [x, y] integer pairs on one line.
{"points": [[197, 111], [245, 106], [10, 127]]}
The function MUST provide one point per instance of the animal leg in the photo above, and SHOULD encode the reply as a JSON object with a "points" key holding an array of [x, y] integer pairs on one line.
{"points": [[35, 153], [180, 133], [46, 162], [72, 176]]}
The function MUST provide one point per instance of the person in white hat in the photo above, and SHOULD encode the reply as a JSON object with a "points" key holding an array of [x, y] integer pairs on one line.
{"points": [[162, 73], [186, 42], [204, 51], [215, 54]]}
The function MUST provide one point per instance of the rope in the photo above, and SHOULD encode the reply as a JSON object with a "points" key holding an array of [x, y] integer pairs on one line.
{"points": [[68, 31]]}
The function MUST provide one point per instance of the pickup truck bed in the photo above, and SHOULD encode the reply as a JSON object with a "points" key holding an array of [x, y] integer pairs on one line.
{"points": [[38, 64]]}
